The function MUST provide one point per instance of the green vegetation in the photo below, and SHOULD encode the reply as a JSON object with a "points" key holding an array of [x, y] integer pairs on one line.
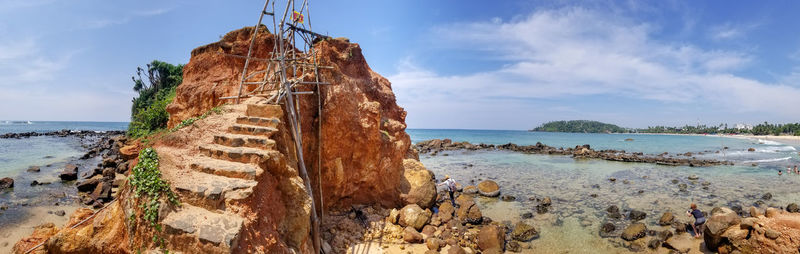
{"points": [[584, 126], [150, 188], [190, 121], [156, 90]]}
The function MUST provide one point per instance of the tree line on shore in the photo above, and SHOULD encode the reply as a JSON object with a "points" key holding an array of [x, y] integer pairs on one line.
{"points": [[156, 86], [586, 126]]}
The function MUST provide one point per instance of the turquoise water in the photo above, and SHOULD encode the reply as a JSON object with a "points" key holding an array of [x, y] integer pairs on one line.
{"points": [[581, 191]]}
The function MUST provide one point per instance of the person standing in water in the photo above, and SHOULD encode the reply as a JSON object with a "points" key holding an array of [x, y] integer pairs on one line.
{"points": [[699, 220], [451, 187]]}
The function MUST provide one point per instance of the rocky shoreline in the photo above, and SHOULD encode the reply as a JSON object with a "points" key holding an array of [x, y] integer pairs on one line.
{"points": [[61, 133], [435, 146]]}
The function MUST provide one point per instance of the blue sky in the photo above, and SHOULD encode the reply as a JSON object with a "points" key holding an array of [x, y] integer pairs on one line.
{"points": [[452, 64]]}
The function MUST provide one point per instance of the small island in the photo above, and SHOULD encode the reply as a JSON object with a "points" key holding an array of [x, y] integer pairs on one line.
{"points": [[580, 126]]}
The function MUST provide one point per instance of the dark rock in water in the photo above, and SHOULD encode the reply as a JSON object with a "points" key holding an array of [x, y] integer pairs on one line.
{"points": [[523, 232], [607, 227], [546, 201], [654, 244], [693, 177], [6, 183], [489, 188], [612, 179], [793, 208], [88, 184], [34, 169], [767, 196], [626, 181], [109, 162], [60, 213], [612, 209], [751, 149], [527, 215], [34, 183], [664, 235], [70, 173], [666, 219], [674, 181], [636, 215], [634, 231], [542, 209], [508, 198], [594, 195], [682, 187], [759, 203]]}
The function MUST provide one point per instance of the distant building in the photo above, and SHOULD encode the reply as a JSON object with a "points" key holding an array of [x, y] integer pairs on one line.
{"points": [[741, 126]]}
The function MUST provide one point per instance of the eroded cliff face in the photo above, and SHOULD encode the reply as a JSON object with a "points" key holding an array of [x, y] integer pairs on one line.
{"points": [[363, 136]]}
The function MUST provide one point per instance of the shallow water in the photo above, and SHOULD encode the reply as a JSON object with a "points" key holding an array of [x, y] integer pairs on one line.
{"points": [[572, 223]]}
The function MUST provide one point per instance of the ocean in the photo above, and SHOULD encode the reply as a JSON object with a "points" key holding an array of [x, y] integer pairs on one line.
{"points": [[581, 190]]}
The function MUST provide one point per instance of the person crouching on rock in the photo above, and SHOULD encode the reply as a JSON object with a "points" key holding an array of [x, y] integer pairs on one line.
{"points": [[699, 220], [451, 187]]}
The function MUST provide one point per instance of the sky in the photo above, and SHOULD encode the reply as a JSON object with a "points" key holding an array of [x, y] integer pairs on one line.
{"points": [[452, 64]]}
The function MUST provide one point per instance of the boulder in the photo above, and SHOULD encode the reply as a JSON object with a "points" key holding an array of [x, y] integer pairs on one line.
{"points": [[772, 234], [446, 211], [489, 188], [428, 230], [546, 201], [70, 173], [455, 249], [636, 215], [34, 169], [470, 189], [634, 231], [411, 235], [470, 213], [771, 212], [6, 183], [88, 184], [751, 149], [420, 188], [666, 219], [607, 227], [720, 220], [766, 196], [434, 243], [102, 192], [693, 177], [681, 244], [523, 232], [491, 237], [754, 212], [748, 223], [793, 208], [413, 216], [654, 244]]}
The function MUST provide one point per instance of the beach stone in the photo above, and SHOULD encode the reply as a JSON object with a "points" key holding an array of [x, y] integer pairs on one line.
{"points": [[718, 222], [634, 231], [654, 244], [411, 235], [748, 223], [69, 173], [413, 216], [60, 213], [101, 192], [664, 235], [470, 213], [682, 187], [767, 196], [546, 201], [455, 249], [434, 243], [527, 215], [793, 208], [613, 212], [508, 198], [771, 212], [489, 188], [88, 184], [636, 215], [751, 149], [666, 219], [470, 189], [446, 211], [611, 179], [491, 237], [428, 230], [34, 169], [680, 244], [6, 183], [523, 232], [394, 214], [772, 234], [693, 177], [542, 209], [607, 227], [674, 181]]}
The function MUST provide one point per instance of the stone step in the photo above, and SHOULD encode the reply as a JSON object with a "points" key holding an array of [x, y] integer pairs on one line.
{"points": [[237, 154], [226, 168], [212, 191], [239, 140], [193, 229], [259, 121], [264, 110], [252, 130]]}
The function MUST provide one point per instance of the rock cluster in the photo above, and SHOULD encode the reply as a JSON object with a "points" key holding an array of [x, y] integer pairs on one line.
{"points": [[435, 146], [61, 133]]}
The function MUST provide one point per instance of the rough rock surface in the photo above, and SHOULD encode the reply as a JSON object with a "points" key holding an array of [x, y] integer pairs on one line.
{"points": [[6, 183], [413, 216], [492, 237], [666, 219], [523, 232], [719, 221], [634, 231], [489, 188], [776, 234], [420, 188]]}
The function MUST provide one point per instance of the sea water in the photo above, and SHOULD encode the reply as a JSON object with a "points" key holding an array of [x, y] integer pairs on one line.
{"points": [[581, 190]]}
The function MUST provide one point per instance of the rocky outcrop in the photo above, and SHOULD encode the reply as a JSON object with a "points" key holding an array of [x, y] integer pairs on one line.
{"points": [[492, 238], [6, 183], [719, 221], [488, 188], [727, 233], [414, 216], [417, 188]]}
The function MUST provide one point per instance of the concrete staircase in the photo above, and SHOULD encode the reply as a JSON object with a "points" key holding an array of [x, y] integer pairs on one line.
{"points": [[223, 174]]}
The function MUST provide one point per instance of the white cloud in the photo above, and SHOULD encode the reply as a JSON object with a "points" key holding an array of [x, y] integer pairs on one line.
{"points": [[572, 52], [730, 31], [22, 61]]}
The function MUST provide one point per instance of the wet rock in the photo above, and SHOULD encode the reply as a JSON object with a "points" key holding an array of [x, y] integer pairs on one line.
{"points": [[470, 213], [542, 209], [680, 244], [546, 201], [718, 222], [693, 177], [748, 223], [69, 173], [613, 212], [682, 187], [607, 228], [751, 149], [60, 213], [88, 184], [6, 183], [34, 169], [513, 246], [634, 231], [612, 179], [508, 198], [664, 235], [626, 181], [636, 215], [527, 215], [674, 181], [491, 237], [654, 244], [489, 188], [767, 196], [413, 216], [411, 235], [666, 219], [793, 208], [470, 189], [523, 232]]}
